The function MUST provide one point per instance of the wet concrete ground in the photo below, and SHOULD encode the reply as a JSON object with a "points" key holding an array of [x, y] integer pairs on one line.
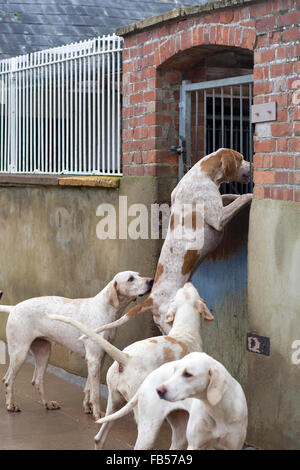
{"points": [[69, 428]]}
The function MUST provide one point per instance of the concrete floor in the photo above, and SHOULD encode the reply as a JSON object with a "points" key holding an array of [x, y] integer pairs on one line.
{"points": [[69, 428]]}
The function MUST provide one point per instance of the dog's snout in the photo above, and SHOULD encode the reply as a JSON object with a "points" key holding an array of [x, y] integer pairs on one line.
{"points": [[150, 282], [161, 391]]}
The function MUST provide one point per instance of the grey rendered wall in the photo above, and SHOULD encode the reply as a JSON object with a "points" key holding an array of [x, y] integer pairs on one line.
{"points": [[273, 389]]}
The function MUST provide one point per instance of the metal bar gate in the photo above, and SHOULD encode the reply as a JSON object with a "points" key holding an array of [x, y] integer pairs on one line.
{"points": [[60, 109], [216, 114]]}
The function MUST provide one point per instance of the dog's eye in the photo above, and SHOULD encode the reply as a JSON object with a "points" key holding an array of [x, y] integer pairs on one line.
{"points": [[131, 279], [187, 374]]}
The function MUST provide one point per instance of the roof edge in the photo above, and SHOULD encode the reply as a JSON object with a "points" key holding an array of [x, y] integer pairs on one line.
{"points": [[179, 13]]}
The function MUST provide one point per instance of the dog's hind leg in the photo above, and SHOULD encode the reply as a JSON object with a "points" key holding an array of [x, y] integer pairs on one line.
{"points": [[114, 403], [87, 407], [41, 350], [178, 420], [148, 429]]}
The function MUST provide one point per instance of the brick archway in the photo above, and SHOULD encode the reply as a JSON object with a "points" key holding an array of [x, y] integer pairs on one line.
{"points": [[151, 84]]}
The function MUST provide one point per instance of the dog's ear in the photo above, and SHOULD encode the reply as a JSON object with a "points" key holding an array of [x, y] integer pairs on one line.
{"points": [[171, 313], [203, 310], [112, 294], [216, 387], [229, 165]]}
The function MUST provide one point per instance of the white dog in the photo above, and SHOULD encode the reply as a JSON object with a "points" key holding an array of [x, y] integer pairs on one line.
{"points": [[215, 418], [137, 360], [222, 423], [29, 328]]}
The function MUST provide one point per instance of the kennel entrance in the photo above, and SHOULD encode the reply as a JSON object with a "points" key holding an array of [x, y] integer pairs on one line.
{"points": [[216, 114]]}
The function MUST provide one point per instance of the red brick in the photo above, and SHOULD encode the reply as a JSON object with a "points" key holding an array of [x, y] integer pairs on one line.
{"points": [[297, 128], [265, 146], [137, 98], [265, 24], [297, 162], [258, 191], [292, 34], [149, 48], [226, 16], [294, 178], [281, 177], [219, 39], [262, 41], [294, 145], [264, 176], [262, 88], [186, 40], [244, 13], [281, 70], [282, 129], [261, 161], [150, 96], [297, 195], [287, 194], [140, 110], [282, 161], [138, 86], [285, 52], [281, 99], [251, 38], [274, 37], [155, 131], [213, 35], [264, 56], [287, 19], [282, 145], [140, 133], [261, 9], [282, 115], [258, 73]]}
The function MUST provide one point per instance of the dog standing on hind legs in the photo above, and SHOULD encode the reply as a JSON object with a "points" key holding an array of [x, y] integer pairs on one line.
{"points": [[177, 262], [29, 328]]}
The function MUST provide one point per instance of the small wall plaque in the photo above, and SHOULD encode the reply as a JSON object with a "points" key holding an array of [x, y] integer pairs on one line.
{"points": [[263, 112], [258, 344]]}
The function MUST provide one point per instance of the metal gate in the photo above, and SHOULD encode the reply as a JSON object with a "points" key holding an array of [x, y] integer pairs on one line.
{"points": [[216, 114], [60, 109]]}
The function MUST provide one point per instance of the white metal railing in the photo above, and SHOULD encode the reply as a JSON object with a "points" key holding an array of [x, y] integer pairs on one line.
{"points": [[60, 109]]}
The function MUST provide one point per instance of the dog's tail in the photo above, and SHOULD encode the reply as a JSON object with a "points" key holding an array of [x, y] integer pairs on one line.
{"points": [[142, 307], [114, 352], [5, 308], [122, 412]]}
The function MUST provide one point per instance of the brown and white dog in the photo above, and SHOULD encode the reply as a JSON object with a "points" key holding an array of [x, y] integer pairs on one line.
{"points": [[29, 328], [209, 212]]}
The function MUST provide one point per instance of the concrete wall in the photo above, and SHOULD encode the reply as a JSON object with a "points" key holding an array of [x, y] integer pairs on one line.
{"points": [[273, 389], [49, 247]]}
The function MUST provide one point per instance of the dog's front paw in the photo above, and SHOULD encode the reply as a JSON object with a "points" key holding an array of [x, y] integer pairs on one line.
{"points": [[88, 409], [52, 405], [13, 408]]}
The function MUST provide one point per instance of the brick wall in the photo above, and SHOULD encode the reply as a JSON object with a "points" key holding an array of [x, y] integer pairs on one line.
{"points": [[151, 84]]}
